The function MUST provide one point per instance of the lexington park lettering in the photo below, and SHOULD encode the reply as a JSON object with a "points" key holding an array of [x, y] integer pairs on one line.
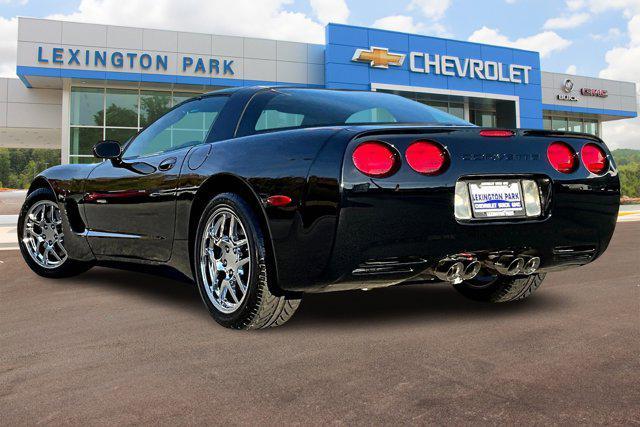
{"points": [[132, 60]]}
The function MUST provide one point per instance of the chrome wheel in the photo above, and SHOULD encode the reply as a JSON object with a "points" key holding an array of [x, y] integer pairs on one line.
{"points": [[225, 260], [42, 234]]}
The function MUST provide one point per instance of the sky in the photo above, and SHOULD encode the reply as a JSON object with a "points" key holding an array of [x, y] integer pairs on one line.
{"points": [[599, 38]]}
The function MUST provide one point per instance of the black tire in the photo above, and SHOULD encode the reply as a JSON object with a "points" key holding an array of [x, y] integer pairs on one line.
{"points": [[69, 267], [502, 288], [260, 308]]}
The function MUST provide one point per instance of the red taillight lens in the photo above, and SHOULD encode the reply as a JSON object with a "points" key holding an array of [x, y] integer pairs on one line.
{"points": [[427, 157], [497, 133], [594, 158], [375, 158], [562, 157]]}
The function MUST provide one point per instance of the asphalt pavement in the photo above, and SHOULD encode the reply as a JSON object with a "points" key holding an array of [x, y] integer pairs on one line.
{"points": [[115, 347]]}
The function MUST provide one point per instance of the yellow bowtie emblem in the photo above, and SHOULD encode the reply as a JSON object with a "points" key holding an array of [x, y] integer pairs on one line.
{"points": [[378, 57]]}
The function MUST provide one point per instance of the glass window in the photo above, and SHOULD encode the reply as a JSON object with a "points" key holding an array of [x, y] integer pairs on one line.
{"points": [[179, 97], [559, 123], [316, 107], [546, 123], [122, 108], [456, 110], [120, 135], [83, 160], [184, 126], [83, 140], [483, 118], [87, 105], [153, 104], [574, 125], [273, 119], [372, 115], [591, 126]]}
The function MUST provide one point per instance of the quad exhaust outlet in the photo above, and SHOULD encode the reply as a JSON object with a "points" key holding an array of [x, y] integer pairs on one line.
{"points": [[458, 268]]}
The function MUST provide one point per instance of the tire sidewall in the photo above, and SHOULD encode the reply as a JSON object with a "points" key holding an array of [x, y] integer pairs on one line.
{"points": [[235, 203], [69, 267]]}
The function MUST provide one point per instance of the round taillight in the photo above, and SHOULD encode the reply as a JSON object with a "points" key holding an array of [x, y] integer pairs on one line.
{"points": [[375, 158], [594, 158], [562, 157], [426, 157]]}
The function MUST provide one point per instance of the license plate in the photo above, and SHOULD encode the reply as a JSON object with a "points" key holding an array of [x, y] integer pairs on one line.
{"points": [[491, 199]]}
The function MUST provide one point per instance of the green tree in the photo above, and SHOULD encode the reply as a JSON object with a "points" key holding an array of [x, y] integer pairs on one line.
{"points": [[18, 166]]}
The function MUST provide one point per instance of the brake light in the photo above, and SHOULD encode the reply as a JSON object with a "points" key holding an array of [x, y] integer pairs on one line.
{"points": [[427, 157], [594, 158], [375, 159], [499, 133], [562, 157]]}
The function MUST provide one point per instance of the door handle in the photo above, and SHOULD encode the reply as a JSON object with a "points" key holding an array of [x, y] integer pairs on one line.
{"points": [[167, 164]]}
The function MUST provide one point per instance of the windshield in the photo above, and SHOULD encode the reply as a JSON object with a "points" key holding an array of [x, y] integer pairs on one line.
{"points": [[292, 108]]}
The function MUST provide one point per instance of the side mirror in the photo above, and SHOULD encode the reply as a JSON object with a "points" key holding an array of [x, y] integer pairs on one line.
{"points": [[107, 150]]}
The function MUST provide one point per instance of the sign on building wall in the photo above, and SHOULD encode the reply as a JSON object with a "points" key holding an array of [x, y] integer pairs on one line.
{"points": [[100, 59], [359, 58]]}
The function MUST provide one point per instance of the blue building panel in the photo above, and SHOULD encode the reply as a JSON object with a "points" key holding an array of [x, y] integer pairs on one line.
{"points": [[347, 73], [391, 76], [527, 57], [530, 91], [530, 108], [389, 39], [530, 123], [427, 44], [466, 84], [462, 49], [346, 35], [428, 80]]}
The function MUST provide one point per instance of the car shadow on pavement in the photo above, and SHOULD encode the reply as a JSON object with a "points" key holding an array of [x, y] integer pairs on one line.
{"points": [[434, 301]]}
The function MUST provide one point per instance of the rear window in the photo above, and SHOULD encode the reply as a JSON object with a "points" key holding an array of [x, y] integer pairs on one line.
{"points": [[294, 108]]}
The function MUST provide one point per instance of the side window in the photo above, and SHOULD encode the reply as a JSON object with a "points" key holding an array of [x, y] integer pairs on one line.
{"points": [[372, 115], [274, 119], [184, 126]]}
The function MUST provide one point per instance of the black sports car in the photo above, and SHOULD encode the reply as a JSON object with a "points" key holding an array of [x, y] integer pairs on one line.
{"points": [[260, 195]]}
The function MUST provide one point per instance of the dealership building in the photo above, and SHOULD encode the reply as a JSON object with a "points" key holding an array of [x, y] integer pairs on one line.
{"points": [[79, 83]]}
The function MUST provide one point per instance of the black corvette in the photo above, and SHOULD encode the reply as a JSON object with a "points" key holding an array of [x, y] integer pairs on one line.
{"points": [[260, 195]]}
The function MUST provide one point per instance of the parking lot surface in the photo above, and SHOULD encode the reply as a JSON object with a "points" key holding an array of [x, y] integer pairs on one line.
{"points": [[118, 347]]}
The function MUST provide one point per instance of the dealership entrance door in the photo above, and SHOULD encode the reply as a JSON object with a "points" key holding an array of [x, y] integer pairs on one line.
{"points": [[486, 112]]}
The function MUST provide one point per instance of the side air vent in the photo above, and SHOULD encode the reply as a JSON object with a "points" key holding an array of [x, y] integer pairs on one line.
{"points": [[391, 266], [73, 214], [574, 254]]}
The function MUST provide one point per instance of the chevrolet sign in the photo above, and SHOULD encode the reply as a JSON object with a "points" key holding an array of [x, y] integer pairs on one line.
{"points": [[446, 65]]}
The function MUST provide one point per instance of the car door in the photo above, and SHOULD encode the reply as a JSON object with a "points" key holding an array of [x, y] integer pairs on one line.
{"points": [[130, 203]]}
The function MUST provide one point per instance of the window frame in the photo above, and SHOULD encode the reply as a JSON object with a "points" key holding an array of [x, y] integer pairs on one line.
{"points": [[102, 90], [175, 107]]}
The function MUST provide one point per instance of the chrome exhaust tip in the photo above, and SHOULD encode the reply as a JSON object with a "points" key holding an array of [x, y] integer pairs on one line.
{"points": [[450, 271], [471, 270], [531, 265], [508, 265]]}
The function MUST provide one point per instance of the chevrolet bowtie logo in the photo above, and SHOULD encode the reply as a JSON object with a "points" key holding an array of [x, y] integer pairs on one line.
{"points": [[378, 57]]}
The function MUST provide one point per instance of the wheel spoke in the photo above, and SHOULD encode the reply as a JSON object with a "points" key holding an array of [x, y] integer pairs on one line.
{"points": [[240, 243], [45, 216], [241, 285], [233, 293], [224, 263]]}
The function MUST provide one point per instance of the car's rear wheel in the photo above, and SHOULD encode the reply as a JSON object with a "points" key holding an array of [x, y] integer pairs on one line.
{"points": [[232, 269], [495, 288], [41, 237]]}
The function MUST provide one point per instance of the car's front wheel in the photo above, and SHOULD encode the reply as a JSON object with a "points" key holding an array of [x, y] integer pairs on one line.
{"points": [[41, 237], [232, 268]]}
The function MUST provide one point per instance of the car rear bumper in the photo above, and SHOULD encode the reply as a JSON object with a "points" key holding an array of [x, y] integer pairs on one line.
{"points": [[386, 237]]}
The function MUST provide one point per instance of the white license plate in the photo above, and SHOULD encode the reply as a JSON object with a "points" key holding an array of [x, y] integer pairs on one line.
{"points": [[490, 199]]}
